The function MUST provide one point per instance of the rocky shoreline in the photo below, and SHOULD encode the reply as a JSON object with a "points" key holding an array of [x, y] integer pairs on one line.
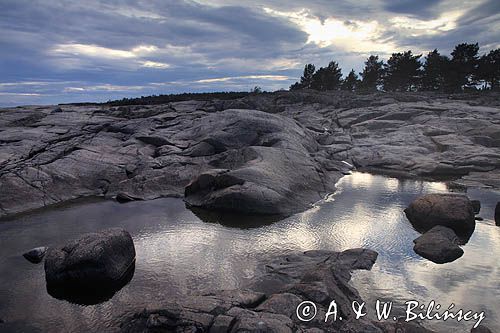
{"points": [[263, 154], [269, 154]]}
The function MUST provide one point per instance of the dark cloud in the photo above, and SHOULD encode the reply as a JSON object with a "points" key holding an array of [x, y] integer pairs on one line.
{"points": [[420, 8], [487, 11]]}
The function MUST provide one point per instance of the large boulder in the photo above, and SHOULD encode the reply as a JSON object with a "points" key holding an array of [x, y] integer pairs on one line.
{"points": [[262, 164], [454, 211], [439, 245], [98, 261]]}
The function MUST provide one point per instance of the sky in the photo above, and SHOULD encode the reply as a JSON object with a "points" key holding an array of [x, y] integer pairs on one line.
{"points": [[73, 51]]}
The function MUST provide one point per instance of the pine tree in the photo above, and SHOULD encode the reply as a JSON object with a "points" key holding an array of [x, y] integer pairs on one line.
{"points": [[434, 72], [489, 69], [402, 72], [307, 78], [463, 67], [327, 78], [372, 74], [351, 82]]}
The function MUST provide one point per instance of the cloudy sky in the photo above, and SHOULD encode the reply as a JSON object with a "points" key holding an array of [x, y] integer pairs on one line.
{"points": [[68, 51]]}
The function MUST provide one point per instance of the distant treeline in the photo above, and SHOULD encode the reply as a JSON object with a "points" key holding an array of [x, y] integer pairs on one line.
{"points": [[161, 99], [404, 71]]}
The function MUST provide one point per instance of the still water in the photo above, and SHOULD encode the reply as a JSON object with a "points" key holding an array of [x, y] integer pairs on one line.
{"points": [[181, 252]]}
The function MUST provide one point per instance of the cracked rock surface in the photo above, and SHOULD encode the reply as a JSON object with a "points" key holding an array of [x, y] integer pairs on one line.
{"points": [[267, 153], [269, 304]]}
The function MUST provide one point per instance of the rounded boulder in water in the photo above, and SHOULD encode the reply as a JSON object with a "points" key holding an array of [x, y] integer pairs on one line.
{"points": [[95, 260]]}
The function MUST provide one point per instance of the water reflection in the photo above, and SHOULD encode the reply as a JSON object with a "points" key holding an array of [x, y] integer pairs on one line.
{"points": [[234, 220], [178, 252]]}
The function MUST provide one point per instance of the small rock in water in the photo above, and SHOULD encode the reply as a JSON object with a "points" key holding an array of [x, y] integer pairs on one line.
{"points": [[439, 245], [476, 205], [35, 255], [478, 218], [497, 214]]}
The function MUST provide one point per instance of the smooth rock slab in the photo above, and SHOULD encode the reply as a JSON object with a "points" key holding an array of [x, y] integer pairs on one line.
{"points": [[439, 245], [35, 255], [451, 210], [96, 262]]}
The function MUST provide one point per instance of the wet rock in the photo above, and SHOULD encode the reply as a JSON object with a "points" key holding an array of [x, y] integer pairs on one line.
{"points": [[439, 245], [479, 218], [476, 205], [95, 262], [497, 214], [454, 211], [35, 255]]}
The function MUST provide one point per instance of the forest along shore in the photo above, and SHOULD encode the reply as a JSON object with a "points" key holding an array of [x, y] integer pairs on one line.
{"points": [[264, 153]]}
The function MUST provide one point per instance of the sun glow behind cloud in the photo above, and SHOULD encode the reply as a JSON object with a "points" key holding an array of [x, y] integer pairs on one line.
{"points": [[354, 36], [365, 36]]}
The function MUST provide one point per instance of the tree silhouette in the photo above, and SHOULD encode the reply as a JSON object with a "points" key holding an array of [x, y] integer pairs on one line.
{"points": [[351, 82], [435, 71], [463, 66], [307, 78], [372, 74], [489, 69], [327, 78], [402, 72], [295, 86]]}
